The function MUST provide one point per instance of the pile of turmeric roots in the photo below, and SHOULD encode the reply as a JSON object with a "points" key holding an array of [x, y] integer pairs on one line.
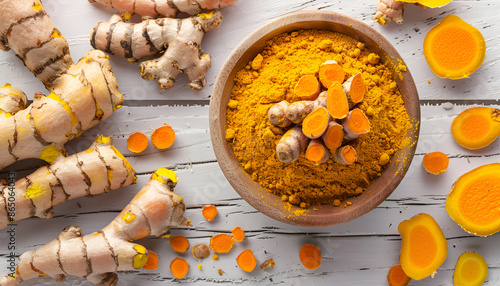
{"points": [[324, 120]]}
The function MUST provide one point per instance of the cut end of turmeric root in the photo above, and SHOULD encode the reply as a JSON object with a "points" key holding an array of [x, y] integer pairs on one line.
{"points": [[423, 246], [436, 162], [471, 270], [246, 261], [333, 136], [238, 234], [179, 268], [355, 89], [315, 123], [330, 72], [221, 243], [336, 101], [179, 243], [310, 256], [209, 212], [137, 142], [473, 200], [476, 127], [453, 48], [307, 88], [163, 137], [153, 261], [355, 124], [397, 277], [317, 152], [346, 155]]}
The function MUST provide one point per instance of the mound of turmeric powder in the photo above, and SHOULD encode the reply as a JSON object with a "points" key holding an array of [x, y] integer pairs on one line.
{"points": [[271, 78]]}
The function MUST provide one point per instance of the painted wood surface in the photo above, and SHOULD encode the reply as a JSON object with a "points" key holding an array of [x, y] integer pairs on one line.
{"points": [[356, 253]]}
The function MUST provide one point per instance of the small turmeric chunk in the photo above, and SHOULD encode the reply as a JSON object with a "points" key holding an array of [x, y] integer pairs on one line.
{"points": [[333, 136], [317, 152], [200, 251], [473, 200], [266, 264], [355, 124], [397, 277], [453, 48], [307, 88], [345, 155], [336, 101], [423, 246], [179, 243], [221, 243], [137, 142], [471, 270], [315, 123], [209, 212], [179, 268], [355, 89], [230, 134], [476, 127], [153, 261], [246, 260], [163, 136], [238, 234], [257, 62], [436, 162], [310, 256], [330, 72]]}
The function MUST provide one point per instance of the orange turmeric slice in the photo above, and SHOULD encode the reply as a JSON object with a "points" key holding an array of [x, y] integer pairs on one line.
{"points": [[315, 123], [163, 137], [307, 88], [476, 127], [397, 277], [153, 261], [238, 234], [453, 48], [137, 142], [179, 243], [471, 270], [436, 162], [346, 155], [209, 212], [355, 89], [336, 101], [221, 243], [246, 260], [333, 136], [355, 124], [310, 256], [317, 152], [330, 72], [473, 200], [179, 268], [423, 246]]}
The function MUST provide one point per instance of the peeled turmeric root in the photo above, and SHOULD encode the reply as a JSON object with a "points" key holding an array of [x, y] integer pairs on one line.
{"points": [[179, 40], [99, 255], [97, 170]]}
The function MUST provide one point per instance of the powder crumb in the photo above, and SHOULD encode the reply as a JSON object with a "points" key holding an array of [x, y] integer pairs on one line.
{"points": [[200, 266], [257, 62], [336, 202], [220, 272], [230, 133], [429, 82], [348, 204], [384, 159], [215, 257]]}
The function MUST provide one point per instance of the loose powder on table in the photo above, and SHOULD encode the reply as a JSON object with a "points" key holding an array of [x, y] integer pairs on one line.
{"points": [[271, 78]]}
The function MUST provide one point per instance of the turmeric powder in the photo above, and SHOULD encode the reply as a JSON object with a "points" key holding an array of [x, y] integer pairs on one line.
{"points": [[284, 60]]}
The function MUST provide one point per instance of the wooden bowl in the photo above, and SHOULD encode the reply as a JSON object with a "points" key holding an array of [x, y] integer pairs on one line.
{"points": [[252, 192]]}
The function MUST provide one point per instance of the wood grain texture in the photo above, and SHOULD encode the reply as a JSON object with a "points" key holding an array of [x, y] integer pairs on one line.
{"points": [[356, 253]]}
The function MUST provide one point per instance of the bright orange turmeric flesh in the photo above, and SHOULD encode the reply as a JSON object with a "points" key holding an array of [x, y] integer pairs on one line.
{"points": [[330, 72], [397, 277], [333, 136], [310, 256], [474, 200], [453, 48], [163, 137], [355, 124], [179, 268], [317, 152], [209, 212], [476, 127], [355, 89], [435, 162], [221, 243], [179, 243], [471, 270], [315, 123], [153, 261], [346, 155], [307, 88], [336, 101], [238, 234], [137, 142], [423, 246], [246, 261]]}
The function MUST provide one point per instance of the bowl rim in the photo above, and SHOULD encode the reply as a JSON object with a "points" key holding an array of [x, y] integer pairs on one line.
{"points": [[225, 154]]}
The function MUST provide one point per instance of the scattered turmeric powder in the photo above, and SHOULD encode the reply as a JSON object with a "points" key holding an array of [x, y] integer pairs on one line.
{"points": [[257, 90]]}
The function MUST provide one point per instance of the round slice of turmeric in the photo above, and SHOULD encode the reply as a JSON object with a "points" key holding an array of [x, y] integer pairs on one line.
{"points": [[453, 48], [246, 261], [179, 268], [163, 137], [476, 127], [137, 142], [423, 246], [471, 270], [473, 200], [436, 162], [153, 261], [221, 243], [179, 243], [397, 277], [310, 256], [238, 234]]}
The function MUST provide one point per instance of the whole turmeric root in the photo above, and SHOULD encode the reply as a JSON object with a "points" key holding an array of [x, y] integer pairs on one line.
{"points": [[97, 170], [179, 39], [165, 8], [99, 255], [388, 10]]}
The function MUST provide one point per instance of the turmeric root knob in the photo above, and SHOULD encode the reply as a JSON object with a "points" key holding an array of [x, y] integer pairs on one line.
{"points": [[317, 152], [307, 88], [315, 123]]}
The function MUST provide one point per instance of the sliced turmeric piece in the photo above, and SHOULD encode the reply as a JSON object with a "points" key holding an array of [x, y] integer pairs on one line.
{"points": [[471, 270], [163, 137], [423, 246], [246, 260], [330, 72], [476, 127], [315, 123], [153, 261], [317, 152], [221, 243], [436, 162], [336, 101], [397, 277], [179, 268], [307, 88], [310, 256], [209, 212], [453, 48], [354, 87], [238, 234], [473, 200], [179, 243], [345, 155], [137, 142], [355, 124], [333, 136]]}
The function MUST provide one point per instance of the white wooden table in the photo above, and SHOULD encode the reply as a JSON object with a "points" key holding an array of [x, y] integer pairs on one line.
{"points": [[355, 253]]}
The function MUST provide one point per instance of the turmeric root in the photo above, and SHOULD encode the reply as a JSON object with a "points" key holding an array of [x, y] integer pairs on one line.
{"points": [[277, 114], [389, 10], [355, 124], [163, 136], [291, 145], [354, 88], [310, 256], [179, 243], [336, 101], [99, 255], [315, 123], [346, 155], [297, 111], [137, 142], [179, 40], [317, 152], [307, 88], [97, 170], [333, 136], [165, 8], [221, 243], [179, 267], [12, 99]]}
